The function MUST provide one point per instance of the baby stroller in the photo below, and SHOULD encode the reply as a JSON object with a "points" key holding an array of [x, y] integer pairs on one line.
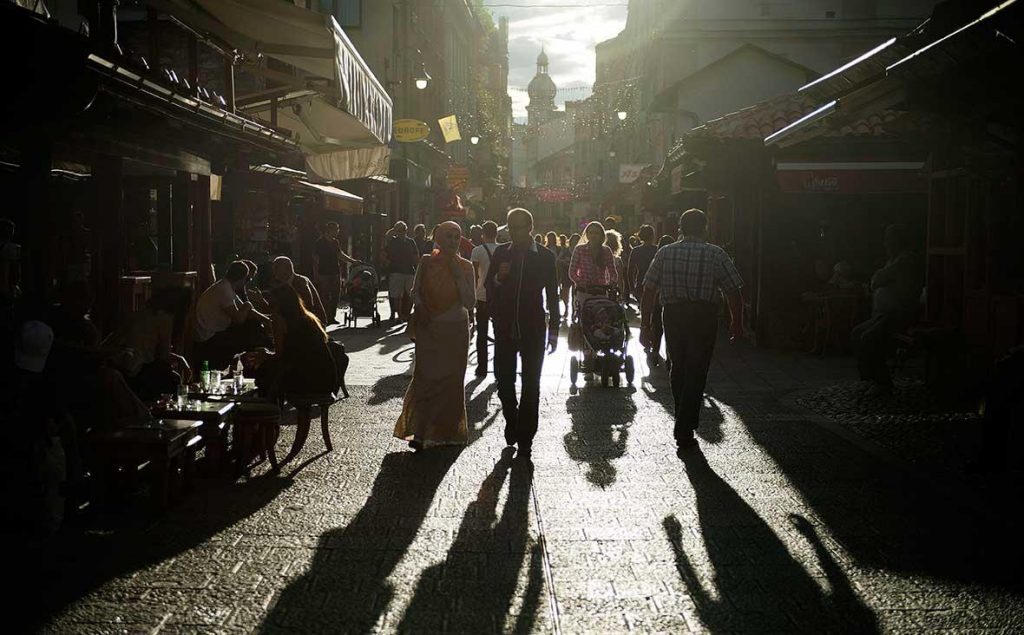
{"points": [[361, 289], [601, 332]]}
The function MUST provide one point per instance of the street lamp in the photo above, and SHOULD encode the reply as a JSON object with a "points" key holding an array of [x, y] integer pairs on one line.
{"points": [[622, 114], [422, 77], [474, 139]]}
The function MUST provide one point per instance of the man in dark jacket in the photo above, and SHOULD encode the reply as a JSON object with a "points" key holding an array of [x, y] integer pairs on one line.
{"points": [[519, 281]]}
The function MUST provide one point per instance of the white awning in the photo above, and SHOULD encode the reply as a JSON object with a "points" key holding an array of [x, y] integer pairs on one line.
{"points": [[313, 42], [356, 111], [335, 199]]}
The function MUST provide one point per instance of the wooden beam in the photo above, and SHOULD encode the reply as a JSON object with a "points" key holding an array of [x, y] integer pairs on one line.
{"points": [[108, 183], [193, 61], [153, 36], [229, 85], [181, 221]]}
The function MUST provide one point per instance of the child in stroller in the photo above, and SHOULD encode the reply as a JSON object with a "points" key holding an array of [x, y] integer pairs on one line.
{"points": [[603, 335], [361, 290]]}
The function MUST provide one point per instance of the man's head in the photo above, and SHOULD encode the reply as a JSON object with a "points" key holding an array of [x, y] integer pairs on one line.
{"points": [[476, 234], [895, 240], [646, 234], [610, 223], [331, 230], [400, 228], [419, 232], [6, 229], [693, 223], [489, 230], [237, 274], [520, 226], [35, 339], [283, 269]]}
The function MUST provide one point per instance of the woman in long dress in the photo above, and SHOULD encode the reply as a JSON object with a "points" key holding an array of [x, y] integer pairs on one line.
{"points": [[434, 411]]}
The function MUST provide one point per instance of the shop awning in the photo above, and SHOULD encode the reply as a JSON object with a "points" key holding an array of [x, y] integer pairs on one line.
{"points": [[335, 199], [353, 112]]}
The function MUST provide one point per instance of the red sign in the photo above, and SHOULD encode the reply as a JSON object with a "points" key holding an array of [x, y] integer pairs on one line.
{"points": [[552, 195], [851, 181], [458, 177]]}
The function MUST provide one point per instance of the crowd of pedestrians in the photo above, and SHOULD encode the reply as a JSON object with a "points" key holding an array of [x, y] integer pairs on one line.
{"points": [[523, 287]]}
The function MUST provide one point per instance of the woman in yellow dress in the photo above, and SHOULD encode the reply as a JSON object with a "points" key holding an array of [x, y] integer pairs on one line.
{"points": [[443, 294]]}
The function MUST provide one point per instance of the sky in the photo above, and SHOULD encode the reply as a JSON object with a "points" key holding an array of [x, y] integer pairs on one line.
{"points": [[568, 36]]}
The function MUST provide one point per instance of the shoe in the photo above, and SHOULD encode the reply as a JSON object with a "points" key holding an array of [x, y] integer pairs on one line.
{"points": [[416, 445]]}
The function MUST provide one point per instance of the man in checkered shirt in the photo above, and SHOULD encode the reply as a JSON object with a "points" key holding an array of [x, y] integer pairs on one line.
{"points": [[690, 277]]}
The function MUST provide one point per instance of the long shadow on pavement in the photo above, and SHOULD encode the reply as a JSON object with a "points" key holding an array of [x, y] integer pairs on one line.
{"points": [[475, 589], [479, 417], [880, 515], [599, 440], [116, 544], [711, 416], [758, 583], [346, 587], [387, 388]]}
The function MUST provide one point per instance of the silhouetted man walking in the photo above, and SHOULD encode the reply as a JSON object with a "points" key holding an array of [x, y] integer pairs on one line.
{"points": [[521, 277], [690, 276]]}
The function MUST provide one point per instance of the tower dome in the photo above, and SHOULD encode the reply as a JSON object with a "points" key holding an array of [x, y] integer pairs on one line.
{"points": [[542, 88]]}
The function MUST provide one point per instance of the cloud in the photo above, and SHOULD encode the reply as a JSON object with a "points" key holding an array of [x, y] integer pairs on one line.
{"points": [[568, 37]]}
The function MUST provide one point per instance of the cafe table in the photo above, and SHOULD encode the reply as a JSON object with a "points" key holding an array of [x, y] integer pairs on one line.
{"points": [[161, 445], [213, 416]]}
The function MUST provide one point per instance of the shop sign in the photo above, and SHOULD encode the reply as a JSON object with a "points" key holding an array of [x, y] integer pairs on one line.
{"points": [[411, 130], [629, 172], [677, 179], [458, 177], [450, 128], [553, 195], [851, 181]]}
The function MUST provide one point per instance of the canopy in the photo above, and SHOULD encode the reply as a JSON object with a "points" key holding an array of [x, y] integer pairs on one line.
{"points": [[354, 113], [335, 199]]}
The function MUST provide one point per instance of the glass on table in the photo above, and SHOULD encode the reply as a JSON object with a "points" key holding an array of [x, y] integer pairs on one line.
{"points": [[215, 377], [182, 395]]}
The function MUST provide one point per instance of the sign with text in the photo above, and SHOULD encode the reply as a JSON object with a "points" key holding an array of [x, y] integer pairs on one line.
{"points": [[411, 130], [458, 176], [450, 128], [851, 181], [629, 172]]}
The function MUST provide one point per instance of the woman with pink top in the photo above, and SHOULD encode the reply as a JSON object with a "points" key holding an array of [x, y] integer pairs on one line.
{"points": [[592, 265]]}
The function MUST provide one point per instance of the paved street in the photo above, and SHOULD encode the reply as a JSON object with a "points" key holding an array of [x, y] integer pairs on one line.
{"points": [[780, 523]]}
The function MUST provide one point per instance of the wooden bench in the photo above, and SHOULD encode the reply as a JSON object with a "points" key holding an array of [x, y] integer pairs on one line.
{"points": [[304, 404], [165, 448]]}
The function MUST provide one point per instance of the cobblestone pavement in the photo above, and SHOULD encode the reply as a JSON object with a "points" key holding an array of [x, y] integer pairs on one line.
{"points": [[778, 524]]}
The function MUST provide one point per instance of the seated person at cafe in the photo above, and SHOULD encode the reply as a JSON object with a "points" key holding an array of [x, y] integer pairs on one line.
{"points": [[284, 274], [142, 350], [226, 326], [895, 304], [302, 361]]}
